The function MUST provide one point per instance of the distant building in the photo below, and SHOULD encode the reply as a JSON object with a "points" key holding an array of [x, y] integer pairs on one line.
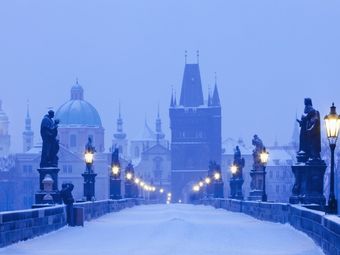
{"points": [[5, 139], [195, 133], [119, 137]]}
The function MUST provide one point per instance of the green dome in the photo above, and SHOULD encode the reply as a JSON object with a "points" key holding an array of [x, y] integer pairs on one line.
{"points": [[78, 112]]}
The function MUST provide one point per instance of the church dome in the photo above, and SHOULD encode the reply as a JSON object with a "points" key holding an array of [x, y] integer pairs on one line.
{"points": [[77, 111]]}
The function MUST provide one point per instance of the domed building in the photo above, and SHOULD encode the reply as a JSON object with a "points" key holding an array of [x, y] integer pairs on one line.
{"points": [[78, 121], [5, 139]]}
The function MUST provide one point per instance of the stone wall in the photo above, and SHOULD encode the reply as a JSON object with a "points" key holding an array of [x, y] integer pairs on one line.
{"points": [[323, 229], [18, 226], [21, 225]]}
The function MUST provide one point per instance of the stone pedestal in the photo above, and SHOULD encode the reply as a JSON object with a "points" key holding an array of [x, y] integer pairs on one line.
{"points": [[308, 186], [236, 188], [115, 189], [128, 189], [256, 185], [46, 196], [218, 189], [89, 185]]}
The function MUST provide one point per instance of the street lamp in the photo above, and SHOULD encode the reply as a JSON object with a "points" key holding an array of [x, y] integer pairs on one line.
{"points": [[89, 175], [115, 181], [207, 180], [217, 176], [233, 169], [131, 189], [332, 121], [264, 156]]}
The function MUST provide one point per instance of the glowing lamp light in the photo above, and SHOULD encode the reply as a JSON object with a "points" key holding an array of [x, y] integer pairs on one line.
{"points": [[196, 188], [167, 202], [207, 180], [332, 121], [233, 169], [180, 201], [129, 176], [115, 170], [169, 194], [88, 157], [161, 190], [217, 176], [137, 181], [264, 156], [153, 189], [142, 184], [200, 184]]}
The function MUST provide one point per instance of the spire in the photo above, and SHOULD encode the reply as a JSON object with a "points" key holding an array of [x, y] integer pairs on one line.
{"points": [[159, 132], [28, 134], [119, 130], [215, 97], [172, 98], [191, 93], [28, 126], [209, 96]]}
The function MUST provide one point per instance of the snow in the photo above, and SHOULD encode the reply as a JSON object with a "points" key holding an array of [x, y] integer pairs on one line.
{"points": [[171, 229]]}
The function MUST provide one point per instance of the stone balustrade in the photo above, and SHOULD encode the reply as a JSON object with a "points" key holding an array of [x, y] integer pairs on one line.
{"points": [[18, 226], [322, 228]]}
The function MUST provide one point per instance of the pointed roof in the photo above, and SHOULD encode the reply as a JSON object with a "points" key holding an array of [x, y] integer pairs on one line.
{"points": [[191, 93], [215, 101]]}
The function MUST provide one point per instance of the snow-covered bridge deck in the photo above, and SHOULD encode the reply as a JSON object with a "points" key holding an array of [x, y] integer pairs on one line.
{"points": [[171, 229]]}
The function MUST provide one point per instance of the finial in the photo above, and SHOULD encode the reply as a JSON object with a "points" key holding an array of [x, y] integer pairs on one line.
{"points": [[28, 108], [158, 111], [119, 113], [215, 78], [198, 56], [185, 56]]}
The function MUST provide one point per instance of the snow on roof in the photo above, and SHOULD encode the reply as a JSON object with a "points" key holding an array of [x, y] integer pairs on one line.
{"points": [[229, 145]]}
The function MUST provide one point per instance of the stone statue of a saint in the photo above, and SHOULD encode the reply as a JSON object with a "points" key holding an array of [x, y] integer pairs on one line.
{"points": [[257, 142], [238, 162], [50, 147], [310, 137]]}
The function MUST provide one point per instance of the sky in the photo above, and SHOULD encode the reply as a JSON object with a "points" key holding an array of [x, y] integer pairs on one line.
{"points": [[268, 56]]}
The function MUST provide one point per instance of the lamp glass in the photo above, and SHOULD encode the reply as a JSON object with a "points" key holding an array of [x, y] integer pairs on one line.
{"points": [[233, 169], [264, 156], [129, 176], [207, 180], [332, 127], [89, 158], [115, 170], [217, 176]]}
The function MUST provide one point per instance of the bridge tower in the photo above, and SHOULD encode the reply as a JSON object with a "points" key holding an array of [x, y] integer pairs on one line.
{"points": [[195, 132]]}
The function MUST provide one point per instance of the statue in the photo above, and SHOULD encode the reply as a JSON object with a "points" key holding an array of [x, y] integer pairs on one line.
{"points": [[257, 142], [50, 147], [238, 162], [310, 137]]}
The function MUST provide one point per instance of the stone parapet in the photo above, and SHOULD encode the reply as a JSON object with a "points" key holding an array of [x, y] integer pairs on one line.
{"points": [[322, 228]]}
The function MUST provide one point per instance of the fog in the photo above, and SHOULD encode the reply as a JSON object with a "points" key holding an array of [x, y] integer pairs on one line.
{"points": [[268, 56]]}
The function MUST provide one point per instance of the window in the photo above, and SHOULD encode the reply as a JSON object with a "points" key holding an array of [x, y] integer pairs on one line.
{"points": [[73, 140], [67, 169]]}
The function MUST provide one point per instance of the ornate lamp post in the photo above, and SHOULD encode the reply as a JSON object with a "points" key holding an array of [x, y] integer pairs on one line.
{"points": [[218, 183], [129, 181], [264, 156], [115, 181], [236, 180], [332, 126], [89, 175]]}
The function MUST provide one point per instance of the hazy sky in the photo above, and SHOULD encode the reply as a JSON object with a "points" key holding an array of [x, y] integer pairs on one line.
{"points": [[268, 56]]}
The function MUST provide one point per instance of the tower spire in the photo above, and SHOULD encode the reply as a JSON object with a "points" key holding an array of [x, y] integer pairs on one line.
{"points": [[28, 134], [215, 97], [159, 132]]}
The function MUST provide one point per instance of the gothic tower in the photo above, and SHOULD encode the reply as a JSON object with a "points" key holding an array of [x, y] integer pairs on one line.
{"points": [[28, 134], [119, 137], [5, 139], [195, 133]]}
